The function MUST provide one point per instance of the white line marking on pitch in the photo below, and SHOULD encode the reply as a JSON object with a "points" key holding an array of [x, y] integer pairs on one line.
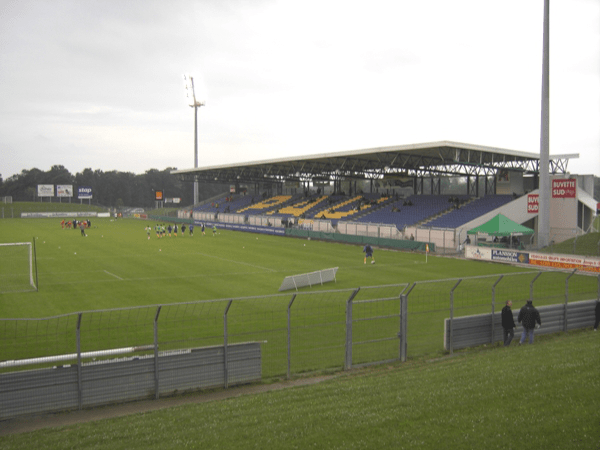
{"points": [[106, 271]]}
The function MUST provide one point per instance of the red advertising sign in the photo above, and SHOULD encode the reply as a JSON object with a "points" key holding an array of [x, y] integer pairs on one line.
{"points": [[564, 188], [533, 203]]}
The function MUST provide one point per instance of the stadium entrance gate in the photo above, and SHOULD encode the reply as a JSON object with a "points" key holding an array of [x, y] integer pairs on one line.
{"points": [[375, 325]]}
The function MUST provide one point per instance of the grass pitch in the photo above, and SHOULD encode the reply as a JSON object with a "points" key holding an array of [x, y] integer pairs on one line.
{"points": [[116, 271], [116, 266]]}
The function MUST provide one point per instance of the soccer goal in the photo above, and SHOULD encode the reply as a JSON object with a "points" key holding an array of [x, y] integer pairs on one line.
{"points": [[18, 268]]}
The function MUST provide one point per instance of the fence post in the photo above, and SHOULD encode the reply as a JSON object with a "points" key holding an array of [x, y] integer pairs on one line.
{"points": [[565, 327], [452, 314], [348, 357], [225, 341], [494, 307], [79, 375], [289, 336], [531, 285], [403, 334], [156, 386]]}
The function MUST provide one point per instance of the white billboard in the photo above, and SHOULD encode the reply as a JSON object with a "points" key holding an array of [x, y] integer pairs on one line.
{"points": [[45, 190], [64, 190]]}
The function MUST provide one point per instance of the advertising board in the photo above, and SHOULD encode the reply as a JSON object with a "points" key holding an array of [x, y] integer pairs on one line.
{"points": [[533, 203], [510, 256], [84, 192], [565, 261], [64, 190], [45, 190], [564, 188]]}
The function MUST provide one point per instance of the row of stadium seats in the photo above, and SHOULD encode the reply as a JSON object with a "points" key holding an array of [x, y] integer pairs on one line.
{"points": [[443, 211], [470, 211]]}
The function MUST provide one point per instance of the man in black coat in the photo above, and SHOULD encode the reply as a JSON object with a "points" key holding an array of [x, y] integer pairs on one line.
{"points": [[597, 315], [508, 324], [529, 316]]}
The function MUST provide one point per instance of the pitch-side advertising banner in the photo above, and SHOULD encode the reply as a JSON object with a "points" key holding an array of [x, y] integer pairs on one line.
{"points": [[565, 261], [64, 190], [512, 256], [84, 192], [474, 252], [564, 188], [585, 263], [45, 190]]}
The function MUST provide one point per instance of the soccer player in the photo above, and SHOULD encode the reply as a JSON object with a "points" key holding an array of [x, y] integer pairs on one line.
{"points": [[148, 230], [203, 229], [169, 229], [191, 229], [183, 229], [175, 230], [368, 251], [214, 230]]}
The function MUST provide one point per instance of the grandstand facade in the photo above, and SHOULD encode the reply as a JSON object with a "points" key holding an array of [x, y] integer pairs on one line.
{"points": [[427, 192]]}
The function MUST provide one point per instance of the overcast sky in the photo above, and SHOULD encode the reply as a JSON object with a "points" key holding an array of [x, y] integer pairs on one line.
{"points": [[98, 84]]}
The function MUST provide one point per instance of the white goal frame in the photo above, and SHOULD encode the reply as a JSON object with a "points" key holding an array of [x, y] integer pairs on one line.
{"points": [[31, 257]]}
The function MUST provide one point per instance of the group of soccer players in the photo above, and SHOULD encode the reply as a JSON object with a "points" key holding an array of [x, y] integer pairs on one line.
{"points": [[170, 230]]}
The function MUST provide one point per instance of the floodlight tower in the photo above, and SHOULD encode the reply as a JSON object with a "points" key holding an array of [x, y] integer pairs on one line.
{"points": [[544, 169], [191, 95]]}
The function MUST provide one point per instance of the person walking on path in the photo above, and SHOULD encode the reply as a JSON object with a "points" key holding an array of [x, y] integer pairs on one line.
{"points": [[508, 324], [529, 315]]}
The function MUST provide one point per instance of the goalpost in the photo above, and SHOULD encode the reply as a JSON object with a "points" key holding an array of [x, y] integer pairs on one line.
{"points": [[17, 266]]}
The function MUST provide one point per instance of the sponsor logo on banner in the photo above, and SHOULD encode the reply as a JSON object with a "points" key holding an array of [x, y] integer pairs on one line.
{"points": [[158, 195], [84, 192], [64, 190], [510, 256], [533, 203], [45, 190], [564, 188]]}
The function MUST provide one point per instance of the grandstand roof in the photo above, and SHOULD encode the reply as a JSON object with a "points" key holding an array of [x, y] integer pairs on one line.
{"points": [[415, 160]]}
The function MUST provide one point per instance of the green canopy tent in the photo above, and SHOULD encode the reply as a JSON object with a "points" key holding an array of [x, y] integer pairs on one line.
{"points": [[501, 226]]}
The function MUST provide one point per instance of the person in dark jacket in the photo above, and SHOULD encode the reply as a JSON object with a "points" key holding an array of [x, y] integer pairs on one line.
{"points": [[597, 315], [508, 324], [529, 315]]}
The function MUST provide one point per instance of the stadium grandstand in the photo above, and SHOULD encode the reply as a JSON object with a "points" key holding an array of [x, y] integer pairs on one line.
{"points": [[432, 192]]}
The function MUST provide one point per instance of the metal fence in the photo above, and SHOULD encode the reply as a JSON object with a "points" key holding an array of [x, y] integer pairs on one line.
{"points": [[298, 332]]}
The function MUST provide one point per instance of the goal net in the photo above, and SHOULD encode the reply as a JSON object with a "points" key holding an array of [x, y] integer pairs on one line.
{"points": [[17, 264]]}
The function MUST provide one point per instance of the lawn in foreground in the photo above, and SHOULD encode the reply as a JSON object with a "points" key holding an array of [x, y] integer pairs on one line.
{"points": [[543, 396]]}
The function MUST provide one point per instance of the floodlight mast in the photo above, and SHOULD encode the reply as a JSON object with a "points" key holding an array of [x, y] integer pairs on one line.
{"points": [[544, 169], [191, 95]]}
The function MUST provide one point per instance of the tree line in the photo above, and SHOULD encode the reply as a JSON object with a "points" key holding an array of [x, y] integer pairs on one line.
{"points": [[109, 189]]}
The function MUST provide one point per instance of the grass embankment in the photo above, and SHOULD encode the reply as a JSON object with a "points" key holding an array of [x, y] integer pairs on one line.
{"points": [[585, 245], [541, 396]]}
